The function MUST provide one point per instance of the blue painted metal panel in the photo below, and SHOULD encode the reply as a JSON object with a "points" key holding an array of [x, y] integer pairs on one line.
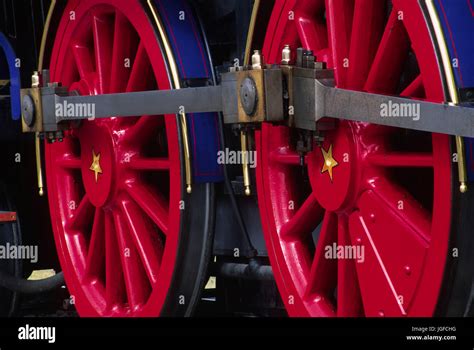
{"points": [[457, 19], [9, 71], [189, 49]]}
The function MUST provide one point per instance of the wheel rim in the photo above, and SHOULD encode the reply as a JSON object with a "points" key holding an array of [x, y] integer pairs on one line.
{"points": [[114, 185], [357, 189]]}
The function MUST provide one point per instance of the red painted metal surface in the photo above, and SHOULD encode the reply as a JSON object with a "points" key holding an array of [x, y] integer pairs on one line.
{"points": [[114, 185], [382, 189], [7, 216]]}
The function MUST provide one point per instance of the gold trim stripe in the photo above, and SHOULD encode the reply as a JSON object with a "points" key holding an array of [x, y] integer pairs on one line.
{"points": [[45, 35], [454, 97], [251, 32], [176, 82]]}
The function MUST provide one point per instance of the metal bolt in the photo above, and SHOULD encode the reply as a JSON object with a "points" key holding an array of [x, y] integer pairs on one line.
{"points": [[308, 59], [299, 56], [257, 60], [28, 108], [372, 217], [286, 55], [45, 77], [318, 65], [35, 80], [319, 139], [248, 96]]}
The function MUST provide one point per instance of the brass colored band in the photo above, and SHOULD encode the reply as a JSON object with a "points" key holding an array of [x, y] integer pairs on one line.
{"points": [[39, 166], [451, 82], [251, 32], [177, 85]]}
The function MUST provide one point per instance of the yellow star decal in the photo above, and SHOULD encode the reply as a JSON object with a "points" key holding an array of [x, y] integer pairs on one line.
{"points": [[95, 167], [329, 162]]}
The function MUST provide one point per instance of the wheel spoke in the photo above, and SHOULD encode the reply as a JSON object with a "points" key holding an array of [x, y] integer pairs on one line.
{"points": [[339, 15], [393, 50], [83, 59], [367, 29], [313, 35], [286, 156], [304, 222], [136, 282], [149, 164], [125, 42], [95, 253], [402, 205], [114, 280], [82, 214], [152, 204], [349, 302], [415, 89], [322, 278], [69, 162], [396, 230], [401, 160], [103, 42], [378, 292], [143, 129], [141, 70], [145, 238]]}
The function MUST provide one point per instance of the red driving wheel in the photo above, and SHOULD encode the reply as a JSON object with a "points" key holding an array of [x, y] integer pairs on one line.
{"points": [[115, 185], [363, 228]]}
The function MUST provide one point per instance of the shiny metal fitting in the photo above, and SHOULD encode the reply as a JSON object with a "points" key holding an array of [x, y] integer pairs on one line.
{"points": [[35, 80], [286, 55], [257, 60]]}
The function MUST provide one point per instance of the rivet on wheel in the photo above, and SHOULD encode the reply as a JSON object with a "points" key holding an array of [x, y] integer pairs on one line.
{"points": [[372, 218]]}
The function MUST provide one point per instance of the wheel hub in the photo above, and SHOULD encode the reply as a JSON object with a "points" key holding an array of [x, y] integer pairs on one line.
{"points": [[332, 170], [97, 165]]}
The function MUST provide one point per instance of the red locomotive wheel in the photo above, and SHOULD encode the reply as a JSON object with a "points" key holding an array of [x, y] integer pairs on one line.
{"points": [[115, 185], [365, 230]]}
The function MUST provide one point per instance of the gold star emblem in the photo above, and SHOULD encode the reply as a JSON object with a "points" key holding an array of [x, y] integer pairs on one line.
{"points": [[329, 162], [95, 167]]}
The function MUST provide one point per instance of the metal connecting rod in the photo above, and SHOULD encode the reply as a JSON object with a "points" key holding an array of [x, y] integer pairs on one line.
{"points": [[251, 96], [320, 100]]}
